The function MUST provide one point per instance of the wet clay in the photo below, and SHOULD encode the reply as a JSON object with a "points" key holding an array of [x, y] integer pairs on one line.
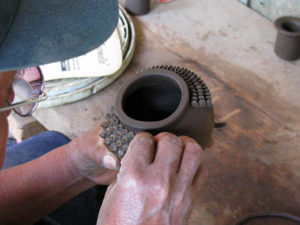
{"points": [[160, 99]]}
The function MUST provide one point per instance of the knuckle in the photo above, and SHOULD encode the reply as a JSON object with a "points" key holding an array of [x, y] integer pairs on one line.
{"points": [[143, 134], [171, 139], [187, 139], [193, 148], [162, 134], [140, 139], [140, 144], [144, 141], [168, 134]]}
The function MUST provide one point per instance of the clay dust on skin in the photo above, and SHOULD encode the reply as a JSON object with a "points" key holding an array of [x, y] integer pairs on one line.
{"points": [[149, 209], [129, 184], [139, 210], [136, 196], [134, 199]]}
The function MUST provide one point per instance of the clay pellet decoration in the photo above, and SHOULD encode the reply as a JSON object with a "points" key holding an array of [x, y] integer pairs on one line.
{"points": [[116, 136], [159, 99]]}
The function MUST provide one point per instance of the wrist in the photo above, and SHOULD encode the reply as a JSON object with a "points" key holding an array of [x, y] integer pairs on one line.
{"points": [[71, 162]]}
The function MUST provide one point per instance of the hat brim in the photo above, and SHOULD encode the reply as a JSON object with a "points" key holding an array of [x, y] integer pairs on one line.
{"points": [[49, 31]]}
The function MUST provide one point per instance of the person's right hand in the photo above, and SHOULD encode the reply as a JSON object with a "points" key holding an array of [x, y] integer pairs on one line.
{"points": [[158, 180]]}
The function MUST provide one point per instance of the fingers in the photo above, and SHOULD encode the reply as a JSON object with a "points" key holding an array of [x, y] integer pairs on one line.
{"points": [[191, 161], [140, 151], [169, 152], [174, 155]]}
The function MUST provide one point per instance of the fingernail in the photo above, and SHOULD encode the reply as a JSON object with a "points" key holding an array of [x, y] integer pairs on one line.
{"points": [[110, 162]]}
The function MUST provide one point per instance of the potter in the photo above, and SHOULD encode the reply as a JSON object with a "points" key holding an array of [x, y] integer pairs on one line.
{"points": [[50, 179]]}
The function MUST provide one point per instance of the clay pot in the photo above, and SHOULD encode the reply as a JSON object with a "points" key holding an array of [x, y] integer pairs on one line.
{"points": [[287, 44], [137, 7], [159, 99]]}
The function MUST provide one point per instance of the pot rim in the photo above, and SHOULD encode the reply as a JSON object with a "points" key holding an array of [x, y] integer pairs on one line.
{"points": [[153, 125], [281, 20]]}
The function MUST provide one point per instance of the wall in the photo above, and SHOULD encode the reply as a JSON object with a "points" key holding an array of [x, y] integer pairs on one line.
{"points": [[272, 9]]}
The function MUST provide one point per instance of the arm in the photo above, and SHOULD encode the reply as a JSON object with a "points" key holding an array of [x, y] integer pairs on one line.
{"points": [[34, 189], [158, 180]]}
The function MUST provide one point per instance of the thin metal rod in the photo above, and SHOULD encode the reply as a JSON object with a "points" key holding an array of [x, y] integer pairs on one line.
{"points": [[41, 97]]}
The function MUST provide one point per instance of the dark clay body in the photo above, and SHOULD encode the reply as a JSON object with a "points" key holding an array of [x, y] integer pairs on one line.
{"points": [[161, 99], [287, 44], [137, 7]]}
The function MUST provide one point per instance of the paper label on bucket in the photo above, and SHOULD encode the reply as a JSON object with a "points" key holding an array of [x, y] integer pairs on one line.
{"points": [[102, 61]]}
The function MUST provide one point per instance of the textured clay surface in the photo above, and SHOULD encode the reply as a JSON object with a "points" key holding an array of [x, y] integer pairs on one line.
{"points": [[199, 92], [116, 137]]}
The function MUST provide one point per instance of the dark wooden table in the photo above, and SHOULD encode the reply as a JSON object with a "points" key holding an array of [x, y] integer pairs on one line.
{"points": [[254, 164]]}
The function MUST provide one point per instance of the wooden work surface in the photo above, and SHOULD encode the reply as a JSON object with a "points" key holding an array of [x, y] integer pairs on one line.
{"points": [[254, 164]]}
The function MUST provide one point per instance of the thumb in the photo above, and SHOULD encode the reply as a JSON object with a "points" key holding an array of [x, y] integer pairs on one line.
{"points": [[110, 160], [107, 158]]}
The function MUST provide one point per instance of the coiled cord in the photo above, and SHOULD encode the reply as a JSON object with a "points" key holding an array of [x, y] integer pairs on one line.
{"points": [[264, 215]]}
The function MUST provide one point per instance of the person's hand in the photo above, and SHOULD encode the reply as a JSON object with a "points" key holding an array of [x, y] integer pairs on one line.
{"points": [[158, 180], [6, 94], [91, 158]]}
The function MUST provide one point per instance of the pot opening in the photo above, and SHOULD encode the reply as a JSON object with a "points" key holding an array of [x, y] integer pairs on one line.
{"points": [[291, 26], [152, 98]]}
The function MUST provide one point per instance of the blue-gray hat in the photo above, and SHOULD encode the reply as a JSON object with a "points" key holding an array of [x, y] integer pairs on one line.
{"points": [[36, 32]]}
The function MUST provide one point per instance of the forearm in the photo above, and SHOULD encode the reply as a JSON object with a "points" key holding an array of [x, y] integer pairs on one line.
{"points": [[34, 189]]}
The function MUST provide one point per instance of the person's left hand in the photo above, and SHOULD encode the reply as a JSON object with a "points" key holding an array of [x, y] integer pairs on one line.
{"points": [[91, 158]]}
